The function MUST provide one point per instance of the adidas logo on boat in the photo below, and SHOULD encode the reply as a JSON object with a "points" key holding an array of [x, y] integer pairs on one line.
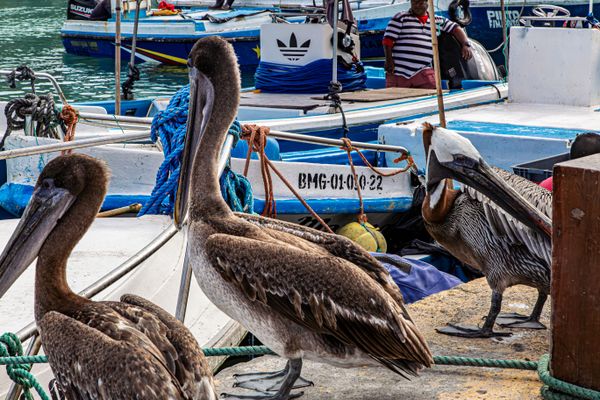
{"points": [[293, 52]]}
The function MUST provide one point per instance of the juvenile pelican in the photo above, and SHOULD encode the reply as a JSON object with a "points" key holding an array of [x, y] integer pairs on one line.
{"points": [[499, 223], [304, 293], [124, 350]]}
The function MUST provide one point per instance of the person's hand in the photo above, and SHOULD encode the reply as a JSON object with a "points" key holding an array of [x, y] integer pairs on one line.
{"points": [[466, 52], [388, 66]]}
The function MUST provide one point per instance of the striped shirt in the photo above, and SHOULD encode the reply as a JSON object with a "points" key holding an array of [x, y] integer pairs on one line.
{"points": [[412, 49]]}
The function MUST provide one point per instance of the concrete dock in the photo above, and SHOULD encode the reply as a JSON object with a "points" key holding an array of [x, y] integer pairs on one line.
{"points": [[467, 303]]}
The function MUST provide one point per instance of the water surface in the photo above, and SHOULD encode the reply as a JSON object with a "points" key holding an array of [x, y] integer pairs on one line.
{"points": [[30, 34]]}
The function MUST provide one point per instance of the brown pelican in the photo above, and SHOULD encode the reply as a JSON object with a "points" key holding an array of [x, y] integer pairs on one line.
{"points": [[498, 223], [304, 293], [97, 350]]}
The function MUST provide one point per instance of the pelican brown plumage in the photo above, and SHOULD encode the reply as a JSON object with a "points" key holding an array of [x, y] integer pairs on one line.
{"points": [[304, 293], [97, 350], [499, 223]]}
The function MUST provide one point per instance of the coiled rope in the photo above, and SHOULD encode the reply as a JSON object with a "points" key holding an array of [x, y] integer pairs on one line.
{"points": [[553, 389], [41, 110], [11, 348], [313, 77], [169, 126]]}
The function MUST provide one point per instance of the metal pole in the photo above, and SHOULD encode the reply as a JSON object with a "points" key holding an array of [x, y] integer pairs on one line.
{"points": [[43, 75], [334, 74], [436, 65], [77, 144], [298, 137], [504, 36], [115, 118], [118, 58], [135, 31]]}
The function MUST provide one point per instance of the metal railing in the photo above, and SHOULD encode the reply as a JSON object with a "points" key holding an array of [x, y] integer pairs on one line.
{"points": [[43, 75]]}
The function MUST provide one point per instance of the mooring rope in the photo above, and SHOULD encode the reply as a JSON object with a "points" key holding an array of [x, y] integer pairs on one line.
{"points": [[41, 110], [553, 389], [11, 348], [21, 73]]}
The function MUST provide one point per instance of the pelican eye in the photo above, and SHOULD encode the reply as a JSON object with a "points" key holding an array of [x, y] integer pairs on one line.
{"points": [[464, 161], [48, 183]]}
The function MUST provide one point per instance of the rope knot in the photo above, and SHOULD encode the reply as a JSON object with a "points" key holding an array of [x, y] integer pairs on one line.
{"points": [[70, 117]]}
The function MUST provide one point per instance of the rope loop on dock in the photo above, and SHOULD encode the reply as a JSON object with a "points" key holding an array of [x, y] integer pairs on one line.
{"points": [[19, 372], [11, 355]]}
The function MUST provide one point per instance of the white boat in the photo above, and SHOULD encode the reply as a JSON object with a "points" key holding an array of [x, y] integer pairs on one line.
{"points": [[551, 99]]}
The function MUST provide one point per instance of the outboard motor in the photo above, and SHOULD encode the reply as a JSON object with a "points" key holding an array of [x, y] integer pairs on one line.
{"points": [[98, 10], [454, 68]]}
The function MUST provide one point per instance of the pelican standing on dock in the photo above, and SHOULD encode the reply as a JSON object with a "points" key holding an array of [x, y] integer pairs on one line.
{"points": [[304, 293], [124, 350], [498, 223]]}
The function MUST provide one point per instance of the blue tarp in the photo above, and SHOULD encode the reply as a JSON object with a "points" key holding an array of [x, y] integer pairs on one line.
{"points": [[416, 279]]}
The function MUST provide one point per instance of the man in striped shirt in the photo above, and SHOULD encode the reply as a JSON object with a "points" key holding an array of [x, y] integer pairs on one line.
{"points": [[408, 50]]}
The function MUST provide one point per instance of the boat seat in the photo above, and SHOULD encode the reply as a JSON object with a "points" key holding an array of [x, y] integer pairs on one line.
{"points": [[158, 104]]}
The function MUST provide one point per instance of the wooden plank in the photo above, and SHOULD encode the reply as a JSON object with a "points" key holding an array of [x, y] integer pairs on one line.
{"points": [[393, 93], [576, 272]]}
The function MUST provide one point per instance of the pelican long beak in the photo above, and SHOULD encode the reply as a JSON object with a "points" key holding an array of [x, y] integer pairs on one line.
{"points": [[47, 205], [481, 177], [202, 94]]}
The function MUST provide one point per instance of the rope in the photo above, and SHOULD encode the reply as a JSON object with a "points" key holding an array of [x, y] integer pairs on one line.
{"points": [[348, 147], [133, 75], [256, 136], [169, 126], [554, 389], [335, 89], [313, 77], [257, 139], [237, 191], [41, 110], [21, 73], [69, 116], [10, 347]]}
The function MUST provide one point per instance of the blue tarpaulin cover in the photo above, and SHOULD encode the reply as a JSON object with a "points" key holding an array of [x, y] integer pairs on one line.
{"points": [[416, 279]]}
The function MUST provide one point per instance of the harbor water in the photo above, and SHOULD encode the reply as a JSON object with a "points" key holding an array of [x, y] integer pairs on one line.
{"points": [[30, 34]]}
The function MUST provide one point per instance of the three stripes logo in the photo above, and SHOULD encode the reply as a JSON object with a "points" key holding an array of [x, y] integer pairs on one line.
{"points": [[293, 52]]}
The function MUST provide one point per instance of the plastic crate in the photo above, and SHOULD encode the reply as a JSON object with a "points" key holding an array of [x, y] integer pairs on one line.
{"points": [[538, 170]]}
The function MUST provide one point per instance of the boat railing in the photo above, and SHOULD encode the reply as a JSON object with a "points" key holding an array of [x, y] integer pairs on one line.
{"points": [[527, 20], [43, 75]]}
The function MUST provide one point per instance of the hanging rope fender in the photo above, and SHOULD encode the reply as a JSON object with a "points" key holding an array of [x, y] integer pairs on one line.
{"points": [[553, 389], [21, 73], [69, 116], [257, 139]]}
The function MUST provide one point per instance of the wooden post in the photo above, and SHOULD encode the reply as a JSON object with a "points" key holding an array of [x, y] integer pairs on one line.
{"points": [[436, 64], [576, 272]]}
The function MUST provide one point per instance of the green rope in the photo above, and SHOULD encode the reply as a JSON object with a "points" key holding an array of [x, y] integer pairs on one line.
{"points": [[11, 348], [556, 389], [553, 389]]}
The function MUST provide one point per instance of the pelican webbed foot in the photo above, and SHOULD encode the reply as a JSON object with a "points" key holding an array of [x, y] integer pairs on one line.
{"points": [[268, 381], [271, 385], [470, 331], [515, 320]]}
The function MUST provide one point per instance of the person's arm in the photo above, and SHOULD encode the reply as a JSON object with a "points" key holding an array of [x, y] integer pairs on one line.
{"points": [[389, 60], [462, 38], [389, 38]]}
